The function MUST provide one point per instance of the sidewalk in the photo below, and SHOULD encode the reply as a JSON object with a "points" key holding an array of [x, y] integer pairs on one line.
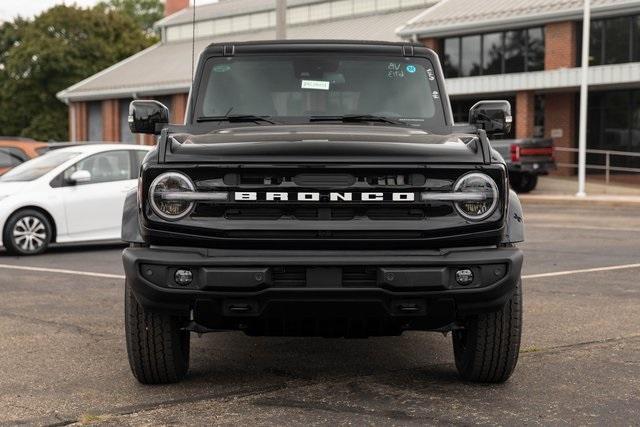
{"points": [[563, 189]]}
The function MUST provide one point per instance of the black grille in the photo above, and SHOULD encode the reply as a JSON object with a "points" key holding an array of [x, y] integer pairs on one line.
{"points": [[352, 276]]}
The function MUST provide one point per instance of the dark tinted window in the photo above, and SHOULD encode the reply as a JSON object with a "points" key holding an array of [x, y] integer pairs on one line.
{"points": [[618, 37], [495, 53], [535, 49], [291, 88], [492, 53], [596, 43], [452, 57], [125, 133], [471, 59], [636, 39], [514, 51], [95, 121]]}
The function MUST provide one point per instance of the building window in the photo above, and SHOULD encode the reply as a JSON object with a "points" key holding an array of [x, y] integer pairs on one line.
{"points": [[614, 40], [94, 121], [471, 59], [535, 49], [494, 53], [125, 133], [452, 57], [514, 51], [614, 124]]}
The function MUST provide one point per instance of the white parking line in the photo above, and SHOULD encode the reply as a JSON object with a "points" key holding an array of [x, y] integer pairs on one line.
{"points": [[584, 227], [586, 270], [60, 271], [122, 277]]}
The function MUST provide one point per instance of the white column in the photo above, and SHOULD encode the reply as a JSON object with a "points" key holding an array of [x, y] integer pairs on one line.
{"points": [[584, 93]]}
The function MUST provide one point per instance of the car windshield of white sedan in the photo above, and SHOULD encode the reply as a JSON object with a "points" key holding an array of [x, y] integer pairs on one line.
{"points": [[34, 169]]}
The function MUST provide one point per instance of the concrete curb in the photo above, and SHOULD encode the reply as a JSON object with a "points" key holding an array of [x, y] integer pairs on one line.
{"points": [[603, 200]]}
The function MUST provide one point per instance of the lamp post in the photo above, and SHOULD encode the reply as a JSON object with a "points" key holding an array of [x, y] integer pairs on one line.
{"points": [[584, 93]]}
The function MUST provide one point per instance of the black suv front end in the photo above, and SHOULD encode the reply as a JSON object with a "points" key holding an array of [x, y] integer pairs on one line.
{"points": [[322, 189]]}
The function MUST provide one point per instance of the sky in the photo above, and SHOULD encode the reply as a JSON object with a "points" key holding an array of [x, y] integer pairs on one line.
{"points": [[9, 9]]}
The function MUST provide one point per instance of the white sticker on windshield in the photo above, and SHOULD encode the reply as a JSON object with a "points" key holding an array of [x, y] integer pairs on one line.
{"points": [[315, 84]]}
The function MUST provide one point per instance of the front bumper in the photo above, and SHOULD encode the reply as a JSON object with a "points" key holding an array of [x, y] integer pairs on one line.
{"points": [[253, 290]]}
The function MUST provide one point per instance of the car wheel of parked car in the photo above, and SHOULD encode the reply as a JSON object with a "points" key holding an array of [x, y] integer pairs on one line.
{"points": [[487, 349], [27, 232], [523, 182], [157, 346]]}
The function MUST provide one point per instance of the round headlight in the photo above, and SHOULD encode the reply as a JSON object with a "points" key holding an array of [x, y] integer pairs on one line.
{"points": [[165, 207], [483, 196]]}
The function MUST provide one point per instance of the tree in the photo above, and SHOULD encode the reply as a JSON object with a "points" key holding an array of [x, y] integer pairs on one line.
{"points": [[144, 12], [58, 48]]}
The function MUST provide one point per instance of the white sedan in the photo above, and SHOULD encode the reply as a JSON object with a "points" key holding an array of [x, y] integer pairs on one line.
{"points": [[73, 194]]}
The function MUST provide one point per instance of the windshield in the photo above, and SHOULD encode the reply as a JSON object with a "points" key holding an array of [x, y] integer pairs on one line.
{"points": [[304, 87], [34, 169]]}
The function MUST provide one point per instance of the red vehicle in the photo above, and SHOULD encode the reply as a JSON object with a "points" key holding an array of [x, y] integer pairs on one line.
{"points": [[14, 151]]}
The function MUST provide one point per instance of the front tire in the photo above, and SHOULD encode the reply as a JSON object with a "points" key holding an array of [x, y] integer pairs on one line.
{"points": [[487, 349], [157, 346], [27, 232]]}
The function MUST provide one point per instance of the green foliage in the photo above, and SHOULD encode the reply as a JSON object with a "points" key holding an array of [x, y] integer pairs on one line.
{"points": [[144, 12], [60, 47]]}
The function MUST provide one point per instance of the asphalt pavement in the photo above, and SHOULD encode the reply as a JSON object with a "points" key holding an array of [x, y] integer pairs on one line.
{"points": [[63, 358]]}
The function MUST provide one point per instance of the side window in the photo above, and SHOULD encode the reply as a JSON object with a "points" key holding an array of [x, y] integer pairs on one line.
{"points": [[138, 157], [10, 157], [104, 167]]}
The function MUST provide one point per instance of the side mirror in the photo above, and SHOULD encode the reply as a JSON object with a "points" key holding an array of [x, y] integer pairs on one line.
{"points": [[492, 116], [79, 177], [147, 117]]}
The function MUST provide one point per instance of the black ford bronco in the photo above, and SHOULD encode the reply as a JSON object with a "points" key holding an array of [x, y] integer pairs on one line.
{"points": [[320, 188]]}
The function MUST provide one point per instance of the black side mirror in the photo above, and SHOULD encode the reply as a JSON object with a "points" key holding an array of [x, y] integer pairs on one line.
{"points": [[492, 116], [147, 117]]}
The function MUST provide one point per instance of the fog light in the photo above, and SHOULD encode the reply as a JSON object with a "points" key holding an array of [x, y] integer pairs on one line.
{"points": [[464, 277], [183, 277]]}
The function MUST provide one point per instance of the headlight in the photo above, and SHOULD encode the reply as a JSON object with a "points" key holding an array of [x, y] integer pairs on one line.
{"points": [[170, 183], [483, 197]]}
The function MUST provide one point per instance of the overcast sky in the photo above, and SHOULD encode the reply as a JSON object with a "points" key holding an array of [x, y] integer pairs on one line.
{"points": [[9, 9]]}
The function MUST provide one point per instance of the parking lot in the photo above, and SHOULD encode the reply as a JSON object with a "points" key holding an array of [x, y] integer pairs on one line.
{"points": [[63, 358]]}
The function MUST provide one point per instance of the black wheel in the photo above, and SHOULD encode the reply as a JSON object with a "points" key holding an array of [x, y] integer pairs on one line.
{"points": [[27, 232], [158, 348], [523, 182], [487, 349]]}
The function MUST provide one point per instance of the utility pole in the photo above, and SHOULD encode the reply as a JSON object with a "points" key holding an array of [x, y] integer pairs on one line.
{"points": [[584, 93], [281, 19]]}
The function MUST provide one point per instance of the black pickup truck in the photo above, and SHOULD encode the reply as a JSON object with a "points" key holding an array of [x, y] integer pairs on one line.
{"points": [[321, 188], [526, 160]]}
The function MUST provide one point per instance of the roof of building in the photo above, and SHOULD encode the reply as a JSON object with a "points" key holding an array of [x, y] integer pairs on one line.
{"points": [[165, 68], [451, 17], [225, 8]]}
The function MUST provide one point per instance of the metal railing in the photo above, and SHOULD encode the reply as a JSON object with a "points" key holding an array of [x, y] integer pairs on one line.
{"points": [[607, 168]]}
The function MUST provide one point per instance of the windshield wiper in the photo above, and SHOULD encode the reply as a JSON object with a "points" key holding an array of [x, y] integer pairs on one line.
{"points": [[356, 118], [237, 118]]}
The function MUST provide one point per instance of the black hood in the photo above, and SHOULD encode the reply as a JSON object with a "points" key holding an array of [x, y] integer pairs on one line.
{"points": [[323, 144]]}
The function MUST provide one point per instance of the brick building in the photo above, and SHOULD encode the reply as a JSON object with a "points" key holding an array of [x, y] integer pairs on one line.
{"points": [[528, 51]]}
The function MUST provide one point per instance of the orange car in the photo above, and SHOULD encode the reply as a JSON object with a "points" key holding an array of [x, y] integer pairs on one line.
{"points": [[14, 151]]}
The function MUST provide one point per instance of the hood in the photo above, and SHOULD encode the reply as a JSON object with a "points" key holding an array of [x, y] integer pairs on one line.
{"points": [[323, 144], [11, 188]]}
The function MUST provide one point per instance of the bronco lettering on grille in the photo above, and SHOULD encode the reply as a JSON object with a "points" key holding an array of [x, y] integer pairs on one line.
{"points": [[253, 196]]}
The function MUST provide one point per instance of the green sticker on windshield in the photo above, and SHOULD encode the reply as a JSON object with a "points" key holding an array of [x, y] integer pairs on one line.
{"points": [[221, 68]]}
